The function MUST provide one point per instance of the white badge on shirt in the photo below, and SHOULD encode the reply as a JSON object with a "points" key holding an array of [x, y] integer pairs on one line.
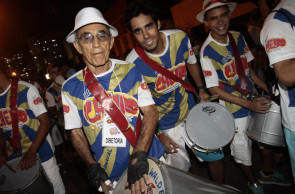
{"points": [[111, 134]]}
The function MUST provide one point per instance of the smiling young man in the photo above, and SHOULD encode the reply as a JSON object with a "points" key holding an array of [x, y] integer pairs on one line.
{"points": [[225, 59], [172, 50], [109, 153]]}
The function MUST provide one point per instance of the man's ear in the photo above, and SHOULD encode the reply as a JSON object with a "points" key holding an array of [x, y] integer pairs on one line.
{"points": [[205, 22], [77, 46], [159, 24], [112, 42]]}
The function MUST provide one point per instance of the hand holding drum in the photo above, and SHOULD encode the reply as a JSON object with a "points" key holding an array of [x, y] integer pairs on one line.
{"points": [[260, 104]]}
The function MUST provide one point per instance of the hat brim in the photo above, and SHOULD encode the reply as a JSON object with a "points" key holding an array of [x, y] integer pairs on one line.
{"points": [[231, 6], [72, 35]]}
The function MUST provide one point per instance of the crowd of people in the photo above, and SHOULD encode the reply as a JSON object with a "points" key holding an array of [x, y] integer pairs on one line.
{"points": [[118, 113]]}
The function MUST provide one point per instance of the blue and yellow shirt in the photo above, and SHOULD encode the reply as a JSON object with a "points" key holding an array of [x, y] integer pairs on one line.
{"points": [[123, 83], [219, 69], [30, 105], [172, 100]]}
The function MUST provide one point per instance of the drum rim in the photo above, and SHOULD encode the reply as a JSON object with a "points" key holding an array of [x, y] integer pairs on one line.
{"points": [[200, 147], [39, 171]]}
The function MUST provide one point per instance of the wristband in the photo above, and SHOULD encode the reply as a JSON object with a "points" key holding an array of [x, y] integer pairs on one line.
{"points": [[159, 133], [201, 87]]}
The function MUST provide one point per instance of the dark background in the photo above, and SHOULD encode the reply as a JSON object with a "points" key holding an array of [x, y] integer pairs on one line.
{"points": [[20, 19]]}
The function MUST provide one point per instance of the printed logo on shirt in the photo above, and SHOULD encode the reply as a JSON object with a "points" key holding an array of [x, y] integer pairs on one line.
{"points": [[163, 83], [144, 86], [5, 117], [66, 108], [191, 51], [93, 111], [230, 70], [207, 73], [274, 44], [38, 100], [247, 49]]}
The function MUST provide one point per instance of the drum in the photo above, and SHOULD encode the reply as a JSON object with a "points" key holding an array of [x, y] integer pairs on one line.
{"points": [[167, 179], [267, 128], [30, 181], [209, 126]]}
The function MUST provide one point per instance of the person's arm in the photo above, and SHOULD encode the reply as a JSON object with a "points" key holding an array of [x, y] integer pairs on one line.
{"points": [[148, 128], [138, 165], [258, 81], [81, 145], [168, 143], [29, 158], [95, 174], [285, 71], [196, 73], [259, 105]]}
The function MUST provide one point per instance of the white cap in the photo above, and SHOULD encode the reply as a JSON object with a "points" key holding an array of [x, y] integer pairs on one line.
{"points": [[210, 4], [89, 15]]}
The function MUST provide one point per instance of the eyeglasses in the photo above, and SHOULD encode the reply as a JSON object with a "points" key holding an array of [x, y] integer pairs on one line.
{"points": [[87, 37]]}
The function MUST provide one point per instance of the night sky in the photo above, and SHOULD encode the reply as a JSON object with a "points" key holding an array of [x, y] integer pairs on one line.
{"points": [[20, 19]]}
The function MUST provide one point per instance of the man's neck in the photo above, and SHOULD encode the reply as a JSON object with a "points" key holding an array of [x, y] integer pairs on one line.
{"points": [[220, 39], [101, 69], [161, 44]]}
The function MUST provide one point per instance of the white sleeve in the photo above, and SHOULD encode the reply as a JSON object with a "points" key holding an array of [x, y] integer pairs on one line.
{"points": [[35, 101], [71, 115], [192, 57], [278, 40], [248, 53], [144, 95], [49, 100], [210, 75]]}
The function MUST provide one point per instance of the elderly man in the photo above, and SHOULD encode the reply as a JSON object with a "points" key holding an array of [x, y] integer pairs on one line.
{"points": [[278, 38], [29, 137], [224, 58], [107, 94]]}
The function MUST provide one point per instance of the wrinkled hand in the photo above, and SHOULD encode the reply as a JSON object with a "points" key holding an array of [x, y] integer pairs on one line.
{"points": [[203, 95], [28, 160], [138, 173], [169, 144], [260, 105], [95, 174]]}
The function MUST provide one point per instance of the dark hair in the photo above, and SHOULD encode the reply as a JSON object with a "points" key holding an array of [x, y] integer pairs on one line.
{"points": [[137, 7], [3, 67], [255, 15], [205, 14]]}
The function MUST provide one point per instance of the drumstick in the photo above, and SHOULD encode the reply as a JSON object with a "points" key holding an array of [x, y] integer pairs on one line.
{"points": [[213, 97], [9, 167]]}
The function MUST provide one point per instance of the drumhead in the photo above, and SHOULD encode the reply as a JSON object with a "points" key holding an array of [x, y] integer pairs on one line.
{"points": [[210, 126], [11, 181]]}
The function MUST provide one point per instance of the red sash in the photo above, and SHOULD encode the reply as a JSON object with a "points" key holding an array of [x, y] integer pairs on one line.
{"points": [[111, 108], [163, 70], [243, 88], [14, 141]]}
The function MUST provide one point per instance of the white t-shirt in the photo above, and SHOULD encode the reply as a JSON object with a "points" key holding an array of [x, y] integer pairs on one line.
{"points": [[278, 38]]}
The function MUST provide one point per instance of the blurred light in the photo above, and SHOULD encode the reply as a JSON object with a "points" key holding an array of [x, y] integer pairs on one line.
{"points": [[13, 73], [47, 76]]}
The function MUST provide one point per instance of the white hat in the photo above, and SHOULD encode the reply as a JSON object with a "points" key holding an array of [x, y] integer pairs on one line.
{"points": [[89, 15], [210, 4]]}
